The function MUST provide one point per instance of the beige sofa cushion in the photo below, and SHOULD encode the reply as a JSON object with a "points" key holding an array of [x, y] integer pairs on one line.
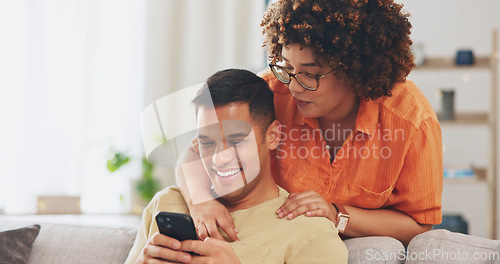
{"points": [[443, 246], [68, 244], [375, 250]]}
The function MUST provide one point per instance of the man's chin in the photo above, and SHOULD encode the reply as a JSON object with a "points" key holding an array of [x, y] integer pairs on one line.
{"points": [[227, 193], [227, 188]]}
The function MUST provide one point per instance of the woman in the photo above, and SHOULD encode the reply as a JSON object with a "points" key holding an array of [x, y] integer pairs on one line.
{"points": [[360, 144]]}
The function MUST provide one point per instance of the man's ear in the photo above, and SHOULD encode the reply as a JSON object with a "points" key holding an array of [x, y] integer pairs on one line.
{"points": [[273, 134]]}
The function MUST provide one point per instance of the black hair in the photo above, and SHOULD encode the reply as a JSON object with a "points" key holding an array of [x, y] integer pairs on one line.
{"points": [[239, 86]]}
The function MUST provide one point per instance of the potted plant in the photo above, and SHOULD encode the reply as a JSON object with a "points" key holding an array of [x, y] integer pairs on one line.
{"points": [[146, 186]]}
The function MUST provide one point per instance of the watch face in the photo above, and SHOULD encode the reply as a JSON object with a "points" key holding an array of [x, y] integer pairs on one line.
{"points": [[342, 223]]}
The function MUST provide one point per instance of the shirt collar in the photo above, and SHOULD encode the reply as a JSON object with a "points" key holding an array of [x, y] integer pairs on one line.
{"points": [[367, 118], [300, 120]]}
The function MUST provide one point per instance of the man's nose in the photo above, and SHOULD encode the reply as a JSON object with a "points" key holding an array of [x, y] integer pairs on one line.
{"points": [[222, 155]]}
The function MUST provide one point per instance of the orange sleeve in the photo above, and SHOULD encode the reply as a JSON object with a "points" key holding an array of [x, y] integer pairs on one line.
{"points": [[419, 187]]}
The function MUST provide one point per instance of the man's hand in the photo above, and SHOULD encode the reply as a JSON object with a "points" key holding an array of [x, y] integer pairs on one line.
{"points": [[162, 249], [208, 216], [309, 203], [210, 251]]}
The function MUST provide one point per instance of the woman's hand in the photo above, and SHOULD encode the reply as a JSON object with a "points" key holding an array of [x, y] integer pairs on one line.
{"points": [[309, 203], [210, 215], [210, 251]]}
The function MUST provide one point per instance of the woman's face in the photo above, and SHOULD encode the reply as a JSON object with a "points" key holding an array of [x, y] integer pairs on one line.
{"points": [[332, 99]]}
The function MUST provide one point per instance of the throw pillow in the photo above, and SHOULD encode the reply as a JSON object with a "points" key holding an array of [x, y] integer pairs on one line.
{"points": [[15, 245]]}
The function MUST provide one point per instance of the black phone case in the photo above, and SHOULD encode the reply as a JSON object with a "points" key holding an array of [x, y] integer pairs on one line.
{"points": [[178, 226]]}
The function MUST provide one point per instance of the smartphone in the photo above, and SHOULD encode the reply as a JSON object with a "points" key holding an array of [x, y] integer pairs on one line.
{"points": [[178, 226]]}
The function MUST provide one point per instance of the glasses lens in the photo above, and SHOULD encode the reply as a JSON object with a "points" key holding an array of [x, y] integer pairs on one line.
{"points": [[307, 81], [281, 74]]}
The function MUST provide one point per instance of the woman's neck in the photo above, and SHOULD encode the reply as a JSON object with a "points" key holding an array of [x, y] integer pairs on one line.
{"points": [[344, 115]]}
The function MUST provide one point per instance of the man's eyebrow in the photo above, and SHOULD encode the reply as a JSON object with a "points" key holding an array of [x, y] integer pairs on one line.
{"points": [[309, 64], [236, 135]]}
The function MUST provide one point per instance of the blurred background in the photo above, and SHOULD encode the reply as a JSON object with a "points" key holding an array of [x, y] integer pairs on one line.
{"points": [[75, 76]]}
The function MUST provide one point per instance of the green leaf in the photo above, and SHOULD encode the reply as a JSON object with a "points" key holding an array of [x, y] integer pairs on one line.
{"points": [[147, 169], [147, 188], [117, 161]]}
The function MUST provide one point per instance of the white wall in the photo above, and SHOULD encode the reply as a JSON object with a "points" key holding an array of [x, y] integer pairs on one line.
{"points": [[188, 40], [444, 26]]}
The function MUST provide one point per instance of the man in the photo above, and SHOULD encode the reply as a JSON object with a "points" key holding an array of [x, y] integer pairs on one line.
{"points": [[236, 132]]}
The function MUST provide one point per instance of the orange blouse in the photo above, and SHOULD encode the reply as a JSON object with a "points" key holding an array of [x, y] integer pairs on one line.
{"points": [[393, 159]]}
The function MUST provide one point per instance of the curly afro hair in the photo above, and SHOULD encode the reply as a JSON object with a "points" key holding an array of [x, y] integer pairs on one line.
{"points": [[367, 42]]}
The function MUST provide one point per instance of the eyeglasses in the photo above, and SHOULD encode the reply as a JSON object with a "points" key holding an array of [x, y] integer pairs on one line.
{"points": [[307, 81]]}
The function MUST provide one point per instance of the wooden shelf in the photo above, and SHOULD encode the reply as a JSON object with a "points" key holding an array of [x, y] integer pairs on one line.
{"points": [[484, 176], [448, 63], [467, 119]]}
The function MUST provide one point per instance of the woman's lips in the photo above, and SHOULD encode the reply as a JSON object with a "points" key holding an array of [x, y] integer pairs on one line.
{"points": [[301, 103]]}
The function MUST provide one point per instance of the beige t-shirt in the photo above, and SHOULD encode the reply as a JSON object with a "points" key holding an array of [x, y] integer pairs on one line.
{"points": [[264, 237]]}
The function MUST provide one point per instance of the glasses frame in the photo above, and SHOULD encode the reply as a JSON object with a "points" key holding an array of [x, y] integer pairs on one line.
{"points": [[293, 75]]}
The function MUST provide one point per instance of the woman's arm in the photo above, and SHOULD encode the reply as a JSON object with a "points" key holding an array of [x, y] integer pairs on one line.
{"points": [[207, 213], [383, 222], [192, 178], [362, 222]]}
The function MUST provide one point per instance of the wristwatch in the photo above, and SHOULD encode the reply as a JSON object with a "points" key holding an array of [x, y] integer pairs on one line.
{"points": [[342, 217]]}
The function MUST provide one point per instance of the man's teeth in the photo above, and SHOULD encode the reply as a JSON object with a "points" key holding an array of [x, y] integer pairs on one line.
{"points": [[228, 173]]}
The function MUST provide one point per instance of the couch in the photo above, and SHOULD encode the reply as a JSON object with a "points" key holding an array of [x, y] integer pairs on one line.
{"points": [[67, 244]]}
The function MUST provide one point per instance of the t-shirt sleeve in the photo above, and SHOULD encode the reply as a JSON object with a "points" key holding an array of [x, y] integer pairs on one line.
{"points": [[418, 189], [142, 234], [324, 246]]}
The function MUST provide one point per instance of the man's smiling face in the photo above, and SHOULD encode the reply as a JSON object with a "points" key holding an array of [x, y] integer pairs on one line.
{"points": [[232, 149]]}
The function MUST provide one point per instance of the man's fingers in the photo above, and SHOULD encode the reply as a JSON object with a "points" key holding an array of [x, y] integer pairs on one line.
{"points": [[199, 260], [195, 246], [156, 261], [165, 241], [166, 248], [159, 252], [213, 242]]}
